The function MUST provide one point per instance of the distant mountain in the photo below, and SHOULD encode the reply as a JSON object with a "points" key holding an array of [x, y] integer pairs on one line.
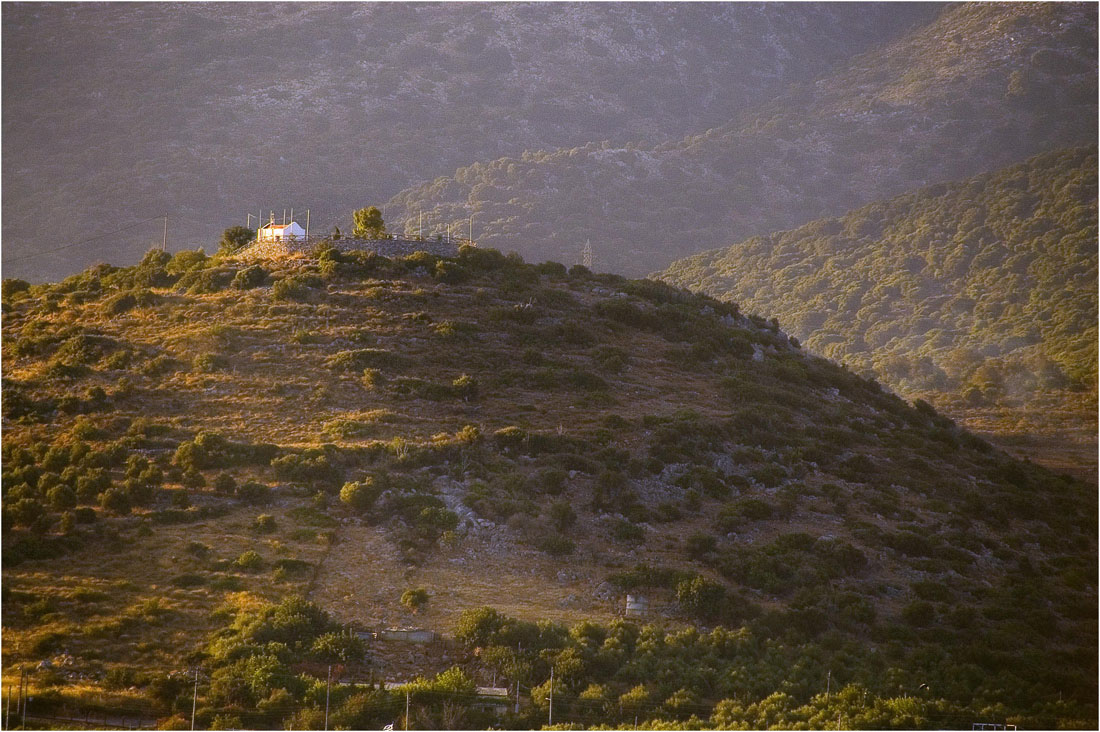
{"points": [[982, 86], [978, 293], [114, 113]]}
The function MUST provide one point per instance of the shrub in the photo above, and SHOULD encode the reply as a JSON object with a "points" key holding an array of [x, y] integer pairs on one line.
{"points": [[254, 492], [414, 599], [225, 483], [61, 497], [264, 524], [553, 480], [627, 532], [919, 613], [698, 546], [562, 515], [555, 545], [250, 561], [185, 260], [249, 277], [363, 358], [299, 288], [209, 362], [359, 496], [115, 500], [465, 387]]}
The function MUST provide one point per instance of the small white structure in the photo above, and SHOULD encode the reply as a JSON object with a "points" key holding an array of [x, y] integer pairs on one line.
{"points": [[636, 606], [280, 232]]}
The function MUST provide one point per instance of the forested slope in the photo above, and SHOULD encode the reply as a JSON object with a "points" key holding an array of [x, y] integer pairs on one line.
{"points": [[977, 293]]}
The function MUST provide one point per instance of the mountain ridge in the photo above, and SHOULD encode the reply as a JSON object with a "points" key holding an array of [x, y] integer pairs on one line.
{"points": [[928, 107], [131, 111]]}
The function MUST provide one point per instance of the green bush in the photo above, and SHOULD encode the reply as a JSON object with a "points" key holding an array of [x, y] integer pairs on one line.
{"points": [[627, 532], [249, 277], [264, 524], [360, 496], [250, 561]]}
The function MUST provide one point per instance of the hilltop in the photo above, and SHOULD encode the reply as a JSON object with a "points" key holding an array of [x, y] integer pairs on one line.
{"points": [[190, 442], [978, 295], [981, 86]]}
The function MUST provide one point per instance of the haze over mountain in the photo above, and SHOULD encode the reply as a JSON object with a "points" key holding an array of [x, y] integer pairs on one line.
{"points": [[114, 114], [981, 86], [979, 295]]}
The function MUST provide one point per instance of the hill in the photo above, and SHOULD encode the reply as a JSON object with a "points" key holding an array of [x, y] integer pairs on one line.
{"points": [[979, 296], [143, 109], [231, 465], [982, 86]]}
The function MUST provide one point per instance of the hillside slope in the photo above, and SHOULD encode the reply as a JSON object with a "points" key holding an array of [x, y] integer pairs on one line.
{"points": [[209, 111], [979, 295], [191, 433], [982, 86]]}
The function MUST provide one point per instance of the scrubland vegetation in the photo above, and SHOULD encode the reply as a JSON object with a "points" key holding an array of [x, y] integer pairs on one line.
{"points": [[189, 442]]}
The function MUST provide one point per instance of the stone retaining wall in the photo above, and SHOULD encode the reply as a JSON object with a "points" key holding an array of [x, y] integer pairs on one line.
{"points": [[384, 247]]}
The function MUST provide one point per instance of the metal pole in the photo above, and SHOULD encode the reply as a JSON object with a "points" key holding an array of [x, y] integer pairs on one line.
{"points": [[164, 241], [25, 696], [284, 217], [328, 686], [194, 698], [7, 717], [307, 224], [406, 710], [550, 721], [471, 228], [421, 233]]}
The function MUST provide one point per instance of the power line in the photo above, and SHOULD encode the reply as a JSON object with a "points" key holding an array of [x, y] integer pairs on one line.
{"points": [[84, 241]]}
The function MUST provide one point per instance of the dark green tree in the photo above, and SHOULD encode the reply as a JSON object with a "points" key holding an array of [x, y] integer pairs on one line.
{"points": [[368, 223], [234, 238]]}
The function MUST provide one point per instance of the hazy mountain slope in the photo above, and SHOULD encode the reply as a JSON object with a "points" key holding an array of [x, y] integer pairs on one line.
{"points": [[208, 111], [982, 86], [521, 436], [977, 294]]}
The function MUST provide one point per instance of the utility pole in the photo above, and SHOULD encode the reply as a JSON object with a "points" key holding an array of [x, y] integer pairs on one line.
{"points": [[307, 224], [7, 717], [406, 710], [195, 698], [519, 651], [550, 720], [164, 241], [284, 217], [421, 232], [828, 683], [328, 686], [471, 228]]}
